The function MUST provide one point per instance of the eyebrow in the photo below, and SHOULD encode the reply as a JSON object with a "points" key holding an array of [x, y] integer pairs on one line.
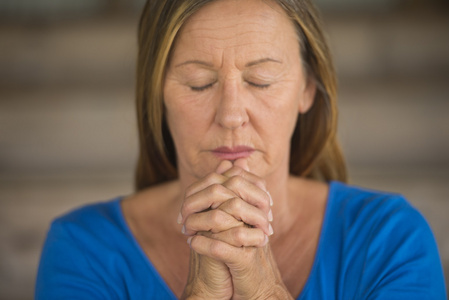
{"points": [[250, 64], [196, 62], [261, 61]]}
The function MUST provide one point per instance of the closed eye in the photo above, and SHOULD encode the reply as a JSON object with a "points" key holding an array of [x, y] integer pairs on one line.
{"points": [[202, 88], [259, 86]]}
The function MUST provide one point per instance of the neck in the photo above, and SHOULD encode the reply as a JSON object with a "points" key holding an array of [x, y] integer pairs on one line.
{"points": [[279, 186]]}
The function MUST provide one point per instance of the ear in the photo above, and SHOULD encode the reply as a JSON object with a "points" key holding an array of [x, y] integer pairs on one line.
{"points": [[307, 96]]}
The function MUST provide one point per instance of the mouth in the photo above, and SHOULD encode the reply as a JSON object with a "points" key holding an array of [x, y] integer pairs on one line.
{"points": [[234, 153]]}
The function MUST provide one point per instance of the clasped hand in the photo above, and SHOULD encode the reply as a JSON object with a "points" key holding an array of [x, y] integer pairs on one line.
{"points": [[227, 216]]}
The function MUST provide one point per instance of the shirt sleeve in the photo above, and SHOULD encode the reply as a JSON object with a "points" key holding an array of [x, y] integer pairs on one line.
{"points": [[64, 272], [402, 261]]}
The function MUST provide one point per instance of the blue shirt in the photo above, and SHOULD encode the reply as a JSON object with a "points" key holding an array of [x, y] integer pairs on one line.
{"points": [[372, 246]]}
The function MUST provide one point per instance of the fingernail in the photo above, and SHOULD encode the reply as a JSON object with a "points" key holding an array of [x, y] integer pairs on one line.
{"points": [[183, 230], [189, 240], [270, 216], [179, 218], [270, 229], [271, 199]]}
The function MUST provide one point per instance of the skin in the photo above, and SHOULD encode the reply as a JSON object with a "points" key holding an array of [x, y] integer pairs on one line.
{"points": [[234, 78]]}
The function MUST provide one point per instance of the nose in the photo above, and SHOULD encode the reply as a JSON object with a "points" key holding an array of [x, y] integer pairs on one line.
{"points": [[231, 110]]}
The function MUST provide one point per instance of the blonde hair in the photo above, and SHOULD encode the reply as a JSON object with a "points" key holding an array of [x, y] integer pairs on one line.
{"points": [[315, 152]]}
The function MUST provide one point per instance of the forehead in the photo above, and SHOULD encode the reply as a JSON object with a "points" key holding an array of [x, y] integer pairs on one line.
{"points": [[238, 24]]}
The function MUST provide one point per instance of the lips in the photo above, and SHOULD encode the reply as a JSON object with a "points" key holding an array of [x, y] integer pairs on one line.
{"points": [[233, 153]]}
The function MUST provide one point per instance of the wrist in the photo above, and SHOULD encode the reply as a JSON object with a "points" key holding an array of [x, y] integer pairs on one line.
{"points": [[199, 291], [279, 291], [207, 280]]}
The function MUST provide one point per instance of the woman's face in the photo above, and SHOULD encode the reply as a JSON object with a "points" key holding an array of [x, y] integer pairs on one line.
{"points": [[234, 87]]}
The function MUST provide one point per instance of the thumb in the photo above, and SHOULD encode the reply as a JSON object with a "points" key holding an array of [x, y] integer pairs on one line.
{"points": [[242, 163], [223, 166]]}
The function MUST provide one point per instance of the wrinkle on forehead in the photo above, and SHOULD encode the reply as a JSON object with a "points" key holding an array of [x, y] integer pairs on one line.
{"points": [[262, 8], [251, 28], [207, 22]]}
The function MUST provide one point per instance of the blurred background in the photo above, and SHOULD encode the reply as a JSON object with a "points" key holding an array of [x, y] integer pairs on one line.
{"points": [[67, 124]]}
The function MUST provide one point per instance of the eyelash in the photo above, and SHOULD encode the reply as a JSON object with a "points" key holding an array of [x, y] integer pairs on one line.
{"points": [[259, 86], [205, 87], [202, 88]]}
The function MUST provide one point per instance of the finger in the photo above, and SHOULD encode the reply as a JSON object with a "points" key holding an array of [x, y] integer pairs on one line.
{"points": [[238, 170], [254, 179], [210, 197], [212, 178], [247, 213], [214, 221], [224, 166], [240, 236], [242, 163], [215, 249], [249, 192]]}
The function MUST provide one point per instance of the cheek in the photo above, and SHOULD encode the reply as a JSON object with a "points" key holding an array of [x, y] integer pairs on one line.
{"points": [[180, 101], [180, 123], [187, 120], [282, 108], [281, 126]]}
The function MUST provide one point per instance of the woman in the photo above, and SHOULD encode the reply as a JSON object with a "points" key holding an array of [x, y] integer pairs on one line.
{"points": [[237, 118]]}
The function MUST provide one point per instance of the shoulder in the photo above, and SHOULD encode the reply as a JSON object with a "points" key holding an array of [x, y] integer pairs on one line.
{"points": [[90, 219], [385, 245], [77, 249], [90, 233], [369, 216], [90, 253], [353, 203], [90, 211], [354, 195]]}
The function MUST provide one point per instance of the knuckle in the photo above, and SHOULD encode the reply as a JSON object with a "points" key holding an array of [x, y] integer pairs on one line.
{"points": [[212, 178], [215, 189], [235, 181], [236, 204], [217, 216], [240, 235]]}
